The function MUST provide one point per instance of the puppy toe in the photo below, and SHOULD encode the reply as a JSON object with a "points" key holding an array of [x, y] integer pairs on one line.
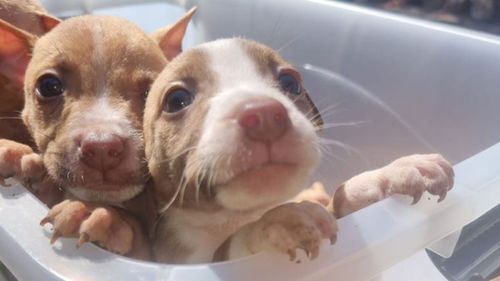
{"points": [[66, 218], [97, 225], [121, 238]]}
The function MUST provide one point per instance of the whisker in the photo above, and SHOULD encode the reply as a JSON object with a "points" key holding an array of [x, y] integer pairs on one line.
{"points": [[171, 201], [341, 124], [289, 43], [329, 110], [11, 118], [177, 155], [275, 27], [327, 151], [348, 148]]}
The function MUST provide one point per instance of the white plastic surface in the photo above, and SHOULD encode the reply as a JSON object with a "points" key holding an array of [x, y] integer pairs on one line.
{"points": [[369, 241]]}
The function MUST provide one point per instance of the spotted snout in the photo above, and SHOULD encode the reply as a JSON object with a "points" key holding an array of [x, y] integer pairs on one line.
{"points": [[263, 119]]}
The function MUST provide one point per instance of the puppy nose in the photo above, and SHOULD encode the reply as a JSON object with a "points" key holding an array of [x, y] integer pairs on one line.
{"points": [[102, 151], [264, 119]]}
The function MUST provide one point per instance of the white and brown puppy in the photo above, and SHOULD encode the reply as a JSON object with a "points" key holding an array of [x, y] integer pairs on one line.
{"points": [[230, 133], [85, 88]]}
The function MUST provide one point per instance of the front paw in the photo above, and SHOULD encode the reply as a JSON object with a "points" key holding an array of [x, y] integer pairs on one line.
{"points": [[11, 154], [91, 223], [414, 174], [293, 226]]}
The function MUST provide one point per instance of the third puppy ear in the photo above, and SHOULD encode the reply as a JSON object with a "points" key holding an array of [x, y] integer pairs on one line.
{"points": [[15, 52], [47, 22], [170, 38]]}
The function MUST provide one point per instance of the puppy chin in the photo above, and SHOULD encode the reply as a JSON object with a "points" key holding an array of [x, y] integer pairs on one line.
{"points": [[263, 186], [107, 195]]}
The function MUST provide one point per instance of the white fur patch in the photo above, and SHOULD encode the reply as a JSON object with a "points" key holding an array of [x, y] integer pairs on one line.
{"points": [[102, 112]]}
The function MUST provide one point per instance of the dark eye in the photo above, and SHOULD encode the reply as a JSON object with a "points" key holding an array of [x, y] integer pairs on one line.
{"points": [[177, 100], [289, 83], [49, 86]]}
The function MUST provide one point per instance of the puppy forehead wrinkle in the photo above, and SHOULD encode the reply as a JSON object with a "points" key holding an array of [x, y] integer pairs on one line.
{"points": [[232, 64]]}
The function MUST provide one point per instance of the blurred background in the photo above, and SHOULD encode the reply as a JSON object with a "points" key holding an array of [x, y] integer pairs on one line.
{"points": [[482, 15]]}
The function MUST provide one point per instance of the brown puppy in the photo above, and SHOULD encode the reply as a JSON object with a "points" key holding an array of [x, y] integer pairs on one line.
{"points": [[230, 133], [30, 16], [85, 89]]}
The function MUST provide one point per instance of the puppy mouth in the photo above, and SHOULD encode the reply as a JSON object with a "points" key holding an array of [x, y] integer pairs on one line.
{"points": [[263, 171], [98, 181], [109, 194]]}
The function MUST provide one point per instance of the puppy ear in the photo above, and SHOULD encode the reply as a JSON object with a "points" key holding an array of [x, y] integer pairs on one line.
{"points": [[48, 22], [170, 38], [15, 52]]}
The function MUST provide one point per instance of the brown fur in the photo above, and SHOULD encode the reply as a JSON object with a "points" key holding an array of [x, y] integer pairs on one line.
{"points": [[178, 251], [163, 139]]}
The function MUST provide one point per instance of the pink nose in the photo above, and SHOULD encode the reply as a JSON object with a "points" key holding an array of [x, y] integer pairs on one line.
{"points": [[102, 151], [264, 119]]}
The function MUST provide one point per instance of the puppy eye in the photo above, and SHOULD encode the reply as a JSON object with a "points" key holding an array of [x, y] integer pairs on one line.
{"points": [[177, 100], [289, 83], [49, 86]]}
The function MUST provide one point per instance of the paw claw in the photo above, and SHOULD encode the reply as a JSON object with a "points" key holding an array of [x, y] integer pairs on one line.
{"points": [[307, 252], [315, 253], [292, 254], [333, 239], [441, 197], [84, 238], [55, 236], [44, 221]]}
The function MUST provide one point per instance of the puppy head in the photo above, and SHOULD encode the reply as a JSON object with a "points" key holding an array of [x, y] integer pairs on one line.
{"points": [[85, 89], [229, 123]]}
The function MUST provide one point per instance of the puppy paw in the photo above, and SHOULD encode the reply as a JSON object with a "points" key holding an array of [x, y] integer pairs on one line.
{"points": [[412, 175], [11, 154], [293, 226], [91, 223]]}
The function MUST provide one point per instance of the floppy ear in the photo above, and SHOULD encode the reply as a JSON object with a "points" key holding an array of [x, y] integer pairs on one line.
{"points": [[48, 22], [170, 38], [15, 52]]}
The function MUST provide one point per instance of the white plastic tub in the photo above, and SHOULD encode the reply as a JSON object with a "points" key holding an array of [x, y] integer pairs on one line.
{"points": [[369, 241], [416, 87]]}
